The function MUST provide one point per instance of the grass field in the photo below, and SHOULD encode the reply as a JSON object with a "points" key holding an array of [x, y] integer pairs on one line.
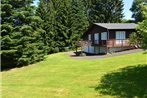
{"points": [[60, 76]]}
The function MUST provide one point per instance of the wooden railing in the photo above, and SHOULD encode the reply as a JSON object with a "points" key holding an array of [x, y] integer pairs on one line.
{"points": [[112, 43], [108, 43], [118, 43]]}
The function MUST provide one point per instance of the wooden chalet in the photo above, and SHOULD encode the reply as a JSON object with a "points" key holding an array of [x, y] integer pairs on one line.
{"points": [[108, 37]]}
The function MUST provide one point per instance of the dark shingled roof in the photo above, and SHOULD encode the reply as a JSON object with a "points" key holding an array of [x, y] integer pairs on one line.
{"points": [[117, 25]]}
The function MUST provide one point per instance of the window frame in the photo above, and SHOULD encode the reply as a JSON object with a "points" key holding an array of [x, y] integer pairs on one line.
{"points": [[104, 36], [120, 35]]}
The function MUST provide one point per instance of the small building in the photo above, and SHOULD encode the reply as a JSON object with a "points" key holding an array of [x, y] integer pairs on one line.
{"points": [[108, 37]]}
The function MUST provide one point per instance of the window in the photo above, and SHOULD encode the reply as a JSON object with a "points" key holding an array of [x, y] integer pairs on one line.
{"points": [[104, 36], [96, 36], [89, 37], [120, 35]]}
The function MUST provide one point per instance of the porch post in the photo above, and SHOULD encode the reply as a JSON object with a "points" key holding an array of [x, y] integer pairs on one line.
{"points": [[107, 40]]}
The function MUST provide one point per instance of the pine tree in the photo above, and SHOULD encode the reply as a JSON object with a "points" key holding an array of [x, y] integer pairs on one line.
{"points": [[104, 11], [65, 21], [6, 30], [21, 34], [137, 9], [47, 11], [78, 20]]}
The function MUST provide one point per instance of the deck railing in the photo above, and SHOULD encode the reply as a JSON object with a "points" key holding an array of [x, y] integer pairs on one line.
{"points": [[118, 43], [112, 43], [108, 43]]}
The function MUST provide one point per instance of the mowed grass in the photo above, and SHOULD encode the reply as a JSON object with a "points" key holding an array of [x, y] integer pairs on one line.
{"points": [[60, 76]]}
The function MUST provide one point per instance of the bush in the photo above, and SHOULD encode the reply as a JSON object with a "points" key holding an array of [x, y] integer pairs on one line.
{"points": [[82, 54], [55, 50], [66, 49]]}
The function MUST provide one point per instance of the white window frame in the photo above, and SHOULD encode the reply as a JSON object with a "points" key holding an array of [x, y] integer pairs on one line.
{"points": [[120, 35], [104, 36], [96, 36], [89, 37]]}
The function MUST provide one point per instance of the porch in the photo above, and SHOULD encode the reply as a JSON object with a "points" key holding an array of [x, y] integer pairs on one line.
{"points": [[112, 43]]}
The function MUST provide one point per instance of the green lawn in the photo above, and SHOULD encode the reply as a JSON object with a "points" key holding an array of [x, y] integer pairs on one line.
{"points": [[60, 76]]}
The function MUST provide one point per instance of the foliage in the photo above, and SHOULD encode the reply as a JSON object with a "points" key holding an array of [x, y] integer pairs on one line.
{"points": [[140, 35], [142, 31], [104, 11], [20, 34], [137, 8], [127, 21], [28, 34], [64, 22], [135, 39], [82, 54]]}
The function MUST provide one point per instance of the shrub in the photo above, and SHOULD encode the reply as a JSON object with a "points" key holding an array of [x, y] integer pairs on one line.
{"points": [[82, 54], [55, 50], [66, 49]]}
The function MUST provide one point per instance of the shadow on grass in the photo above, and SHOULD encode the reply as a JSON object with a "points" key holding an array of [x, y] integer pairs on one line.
{"points": [[128, 82]]}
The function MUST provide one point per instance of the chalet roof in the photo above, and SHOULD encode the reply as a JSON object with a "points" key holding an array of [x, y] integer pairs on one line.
{"points": [[117, 25]]}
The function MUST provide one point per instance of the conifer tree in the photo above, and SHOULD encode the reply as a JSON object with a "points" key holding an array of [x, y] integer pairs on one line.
{"points": [[47, 11], [21, 34], [104, 11], [65, 21], [137, 9]]}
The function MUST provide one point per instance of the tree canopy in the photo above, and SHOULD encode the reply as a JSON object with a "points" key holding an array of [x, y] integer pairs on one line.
{"points": [[104, 11], [141, 30], [28, 34], [21, 34], [137, 9], [64, 22]]}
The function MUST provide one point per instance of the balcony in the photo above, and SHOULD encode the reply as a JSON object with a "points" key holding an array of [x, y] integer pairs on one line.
{"points": [[118, 43], [106, 43], [99, 43], [112, 43]]}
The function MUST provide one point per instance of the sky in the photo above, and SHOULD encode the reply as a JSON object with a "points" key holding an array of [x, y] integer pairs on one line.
{"points": [[126, 11], [127, 6]]}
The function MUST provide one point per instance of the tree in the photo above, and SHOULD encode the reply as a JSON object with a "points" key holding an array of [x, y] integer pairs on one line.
{"points": [[140, 35], [104, 11], [127, 21], [47, 12], [137, 9], [64, 22], [142, 30], [75, 21], [135, 39], [21, 34]]}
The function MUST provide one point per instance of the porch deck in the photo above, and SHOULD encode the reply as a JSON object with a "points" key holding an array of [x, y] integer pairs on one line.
{"points": [[112, 43]]}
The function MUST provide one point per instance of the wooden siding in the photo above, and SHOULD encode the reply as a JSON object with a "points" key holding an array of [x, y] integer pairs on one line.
{"points": [[111, 42], [112, 33], [92, 30]]}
